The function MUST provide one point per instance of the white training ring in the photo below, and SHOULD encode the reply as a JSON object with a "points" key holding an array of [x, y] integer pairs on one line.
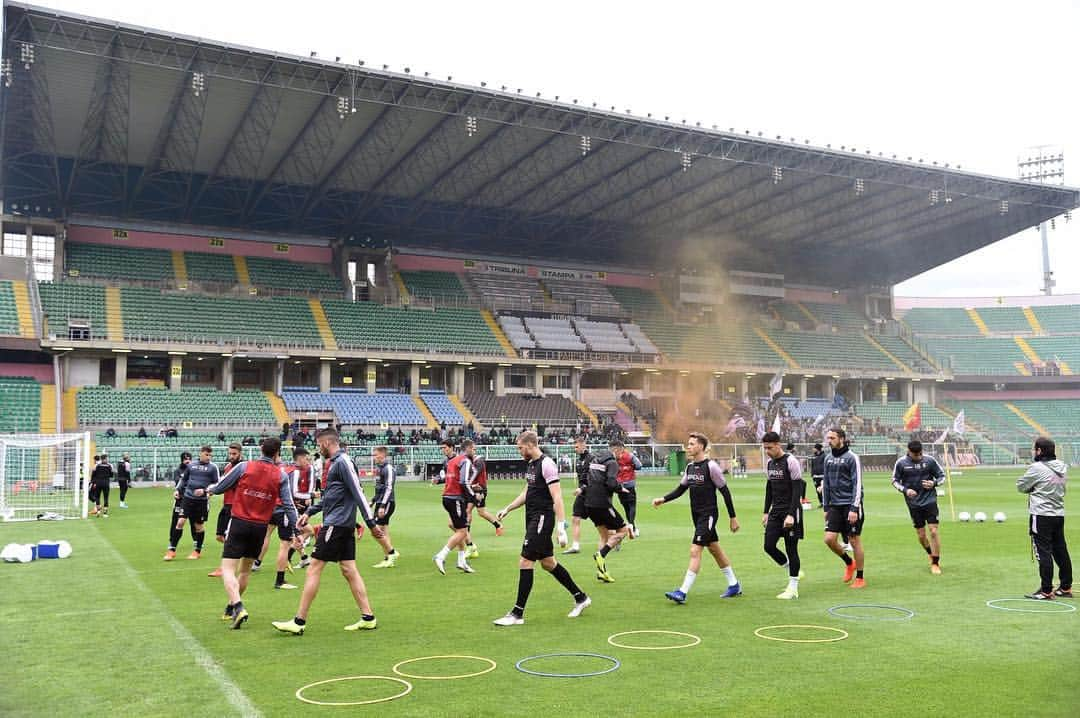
{"points": [[906, 613], [1069, 608], [842, 636], [492, 665], [300, 691], [694, 640]]}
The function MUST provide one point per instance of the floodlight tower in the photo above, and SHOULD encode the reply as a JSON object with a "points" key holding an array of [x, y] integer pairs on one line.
{"points": [[1044, 164]]}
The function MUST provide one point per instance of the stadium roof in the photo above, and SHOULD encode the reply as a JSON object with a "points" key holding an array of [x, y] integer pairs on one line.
{"points": [[119, 121]]}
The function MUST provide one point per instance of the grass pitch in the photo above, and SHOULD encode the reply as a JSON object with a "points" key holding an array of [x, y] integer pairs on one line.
{"points": [[113, 629]]}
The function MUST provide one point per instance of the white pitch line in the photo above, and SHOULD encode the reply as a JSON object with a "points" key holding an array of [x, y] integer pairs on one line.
{"points": [[233, 693], [85, 613]]}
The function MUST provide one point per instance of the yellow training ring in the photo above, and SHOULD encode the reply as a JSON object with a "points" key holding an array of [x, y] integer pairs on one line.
{"points": [[693, 642], [842, 636], [300, 691], [489, 669]]}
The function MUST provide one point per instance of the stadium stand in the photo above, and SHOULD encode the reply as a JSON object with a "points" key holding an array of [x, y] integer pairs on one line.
{"points": [[1059, 349], [515, 331], [356, 407], [1005, 320], [604, 336], [635, 334], [556, 334], [110, 262], [504, 291], [374, 326], [943, 321], [790, 312], [295, 276], [153, 314], [971, 355], [904, 352], [66, 302], [812, 350], [640, 303], [841, 316], [205, 267], [440, 406], [520, 409], [1062, 318], [142, 406], [9, 313], [20, 405], [892, 414], [444, 286], [585, 297]]}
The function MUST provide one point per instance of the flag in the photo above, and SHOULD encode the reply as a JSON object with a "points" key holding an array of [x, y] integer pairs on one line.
{"points": [[776, 424], [941, 439], [760, 428], [776, 386], [958, 424], [912, 418]]}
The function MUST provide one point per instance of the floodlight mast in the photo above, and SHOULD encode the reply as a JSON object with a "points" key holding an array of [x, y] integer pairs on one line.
{"points": [[1044, 164]]}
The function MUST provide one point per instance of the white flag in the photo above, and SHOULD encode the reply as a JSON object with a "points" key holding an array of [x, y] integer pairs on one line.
{"points": [[777, 384], [958, 423], [776, 424]]}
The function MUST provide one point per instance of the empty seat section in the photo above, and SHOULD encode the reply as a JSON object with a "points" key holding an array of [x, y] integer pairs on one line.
{"points": [[435, 286], [977, 355], [841, 316], [148, 406], [586, 297], [943, 321], [637, 336], [1062, 318], [1058, 349], [151, 314], [522, 410], [374, 326], [20, 405], [788, 312], [904, 352], [508, 291], [206, 267], [67, 302], [555, 334], [639, 302], [515, 331], [824, 351], [442, 408], [1007, 320], [9, 313], [357, 407], [604, 337], [299, 276], [109, 262]]}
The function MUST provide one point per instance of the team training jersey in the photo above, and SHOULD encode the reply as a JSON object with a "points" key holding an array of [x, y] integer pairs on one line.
{"points": [[102, 474], [842, 482], [584, 459], [259, 485], [384, 484], [227, 497], [458, 472], [602, 480], [540, 474], [342, 495], [123, 470], [703, 479], [628, 463], [909, 474], [301, 481], [783, 486], [199, 475], [478, 480]]}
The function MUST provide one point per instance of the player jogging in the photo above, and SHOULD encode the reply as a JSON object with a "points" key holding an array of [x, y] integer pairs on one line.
{"points": [[478, 485], [456, 494], [629, 464], [176, 532], [542, 498], [336, 540], [235, 451], [603, 481], [917, 477], [842, 497], [579, 512], [259, 485], [782, 515], [385, 481], [703, 478], [195, 505]]}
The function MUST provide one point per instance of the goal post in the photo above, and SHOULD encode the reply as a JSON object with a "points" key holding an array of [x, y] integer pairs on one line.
{"points": [[44, 474]]}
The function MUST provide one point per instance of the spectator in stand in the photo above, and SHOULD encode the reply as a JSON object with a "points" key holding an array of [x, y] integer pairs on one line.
{"points": [[142, 432]]}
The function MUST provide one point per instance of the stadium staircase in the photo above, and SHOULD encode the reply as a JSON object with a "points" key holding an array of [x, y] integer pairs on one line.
{"points": [[499, 334], [978, 322], [70, 410], [809, 315], [403, 291], [277, 406], [465, 412], [1033, 321], [179, 267], [321, 323], [432, 422], [242, 274], [892, 357], [1028, 351], [776, 348], [47, 416], [23, 309], [639, 424], [1027, 419], [114, 314], [588, 413]]}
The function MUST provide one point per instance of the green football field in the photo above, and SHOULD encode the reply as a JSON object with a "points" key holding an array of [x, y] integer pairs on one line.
{"points": [[114, 630]]}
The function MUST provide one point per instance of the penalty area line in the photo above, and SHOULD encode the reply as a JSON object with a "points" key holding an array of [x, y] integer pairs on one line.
{"points": [[233, 693]]}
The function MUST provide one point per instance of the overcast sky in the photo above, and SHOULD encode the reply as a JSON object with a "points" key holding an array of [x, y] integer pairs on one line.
{"points": [[968, 83]]}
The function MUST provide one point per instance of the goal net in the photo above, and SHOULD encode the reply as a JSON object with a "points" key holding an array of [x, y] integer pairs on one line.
{"points": [[44, 474]]}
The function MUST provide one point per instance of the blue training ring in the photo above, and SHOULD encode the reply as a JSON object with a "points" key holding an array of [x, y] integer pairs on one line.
{"points": [[614, 665], [907, 613]]}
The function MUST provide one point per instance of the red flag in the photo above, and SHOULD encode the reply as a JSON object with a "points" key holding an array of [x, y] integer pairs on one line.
{"points": [[912, 418]]}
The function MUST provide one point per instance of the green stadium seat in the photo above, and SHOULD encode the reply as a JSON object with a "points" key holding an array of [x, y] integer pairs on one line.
{"points": [[444, 286], [9, 313], [112, 262], [448, 329]]}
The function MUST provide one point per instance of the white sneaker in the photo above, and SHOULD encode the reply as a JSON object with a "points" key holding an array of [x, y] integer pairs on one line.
{"points": [[440, 563], [579, 607], [123, 505], [847, 547], [465, 568], [509, 620], [788, 594]]}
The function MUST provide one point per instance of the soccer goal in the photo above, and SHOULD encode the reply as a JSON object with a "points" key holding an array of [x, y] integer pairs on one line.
{"points": [[44, 475]]}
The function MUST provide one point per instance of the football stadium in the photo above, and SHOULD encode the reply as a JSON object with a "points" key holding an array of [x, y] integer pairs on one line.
{"points": [[333, 293]]}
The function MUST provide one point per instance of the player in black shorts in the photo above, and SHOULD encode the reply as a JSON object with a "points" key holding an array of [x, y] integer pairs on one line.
{"points": [[544, 512], [235, 451], [385, 483], [195, 506], [478, 500], [175, 534], [782, 515], [703, 478], [917, 477], [842, 496], [602, 484], [581, 468]]}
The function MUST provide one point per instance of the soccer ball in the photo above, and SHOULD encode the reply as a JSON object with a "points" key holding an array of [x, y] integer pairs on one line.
{"points": [[964, 516], [980, 517], [999, 517]]}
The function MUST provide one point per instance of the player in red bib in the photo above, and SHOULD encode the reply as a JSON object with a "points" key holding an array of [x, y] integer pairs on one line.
{"points": [[235, 452], [457, 493]]}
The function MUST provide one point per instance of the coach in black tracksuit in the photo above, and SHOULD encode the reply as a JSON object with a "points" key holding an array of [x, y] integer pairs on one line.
{"points": [[100, 478]]}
